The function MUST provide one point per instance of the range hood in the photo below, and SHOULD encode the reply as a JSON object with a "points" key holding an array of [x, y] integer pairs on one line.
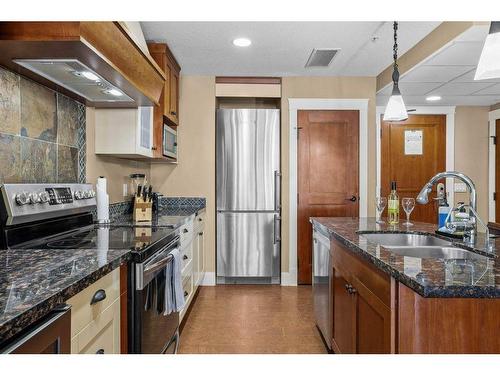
{"points": [[76, 77], [97, 63]]}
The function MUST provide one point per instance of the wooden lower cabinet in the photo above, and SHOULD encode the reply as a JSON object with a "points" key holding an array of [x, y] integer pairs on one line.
{"points": [[373, 321], [373, 313]]}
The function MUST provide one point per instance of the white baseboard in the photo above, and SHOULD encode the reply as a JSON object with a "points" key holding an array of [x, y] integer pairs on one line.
{"points": [[288, 279], [208, 279]]}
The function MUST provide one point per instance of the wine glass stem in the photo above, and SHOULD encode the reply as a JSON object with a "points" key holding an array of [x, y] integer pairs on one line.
{"points": [[407, 217]]}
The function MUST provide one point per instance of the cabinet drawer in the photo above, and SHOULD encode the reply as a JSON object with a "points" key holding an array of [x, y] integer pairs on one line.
{"points": [[102, 334], [199, 221], [82, 312], [352, 266], [186, 231]]}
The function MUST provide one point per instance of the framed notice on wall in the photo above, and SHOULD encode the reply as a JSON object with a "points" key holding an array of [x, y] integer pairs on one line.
{"points": [[414, 140]]}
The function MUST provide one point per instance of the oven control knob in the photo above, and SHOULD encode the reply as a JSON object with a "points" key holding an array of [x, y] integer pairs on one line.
{"points": [[22, 198], [34, 198], [44, 197], [86, 195], [91, 193], [79, 195]]}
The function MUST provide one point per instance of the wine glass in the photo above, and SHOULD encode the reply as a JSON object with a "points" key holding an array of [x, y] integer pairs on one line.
{"points": [[380, 202], [408, 205]]}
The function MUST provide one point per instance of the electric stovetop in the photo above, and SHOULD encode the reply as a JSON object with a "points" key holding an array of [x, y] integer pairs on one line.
{"points": [[142, 241]]}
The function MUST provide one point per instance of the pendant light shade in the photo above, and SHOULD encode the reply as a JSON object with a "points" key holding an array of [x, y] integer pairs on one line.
{"points": [[395, 109], [489, 62]]}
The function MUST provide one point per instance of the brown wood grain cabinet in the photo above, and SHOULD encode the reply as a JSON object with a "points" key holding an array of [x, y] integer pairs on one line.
{"points": [[362, 320], [374, 313], [167, 111]]}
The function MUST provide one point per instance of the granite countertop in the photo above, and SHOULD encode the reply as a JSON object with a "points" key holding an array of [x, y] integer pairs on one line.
{"points": [[429, 277], [169, 216], [33, 282]]}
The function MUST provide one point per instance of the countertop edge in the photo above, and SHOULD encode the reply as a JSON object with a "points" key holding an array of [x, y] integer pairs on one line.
{"points": [[426, 292]]}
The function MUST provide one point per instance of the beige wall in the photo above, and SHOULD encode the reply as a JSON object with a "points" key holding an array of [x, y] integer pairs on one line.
{"points": [[194, 176], [323, 87], [116, 170], [471, 152]]}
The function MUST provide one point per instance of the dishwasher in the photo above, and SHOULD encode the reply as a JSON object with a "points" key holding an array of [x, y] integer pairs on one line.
{"points": [[321, 285]]}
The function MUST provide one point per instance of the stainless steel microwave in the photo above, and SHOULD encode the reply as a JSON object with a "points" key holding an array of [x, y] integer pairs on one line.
{"points": [[169, 142]]}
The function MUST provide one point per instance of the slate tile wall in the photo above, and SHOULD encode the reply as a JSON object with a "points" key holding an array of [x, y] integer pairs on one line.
{"points": [[42, 133]]}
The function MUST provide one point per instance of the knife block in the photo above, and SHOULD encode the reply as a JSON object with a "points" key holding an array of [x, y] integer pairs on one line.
{"points": [[143, 211]]}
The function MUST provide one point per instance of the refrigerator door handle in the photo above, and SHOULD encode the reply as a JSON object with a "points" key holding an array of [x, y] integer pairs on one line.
{"points": [[277, 229], [277, 191]]}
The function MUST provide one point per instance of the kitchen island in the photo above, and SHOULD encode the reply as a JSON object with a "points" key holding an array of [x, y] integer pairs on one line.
{"points": [[385, 302]]}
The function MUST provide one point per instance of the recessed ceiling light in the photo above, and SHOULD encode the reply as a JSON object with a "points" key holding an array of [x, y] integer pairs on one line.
{"points": [[113, 92], [242, 42], [433, 98]]}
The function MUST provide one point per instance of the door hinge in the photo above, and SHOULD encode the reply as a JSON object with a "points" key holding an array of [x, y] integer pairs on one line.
{"points": [[494, 139]]}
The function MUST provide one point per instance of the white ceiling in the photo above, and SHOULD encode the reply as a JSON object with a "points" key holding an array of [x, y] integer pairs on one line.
{"points": [[282, 48], [449, 73]]}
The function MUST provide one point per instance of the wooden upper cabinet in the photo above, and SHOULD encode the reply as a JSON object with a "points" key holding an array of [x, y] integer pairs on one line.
{"points": [[170, 104]]}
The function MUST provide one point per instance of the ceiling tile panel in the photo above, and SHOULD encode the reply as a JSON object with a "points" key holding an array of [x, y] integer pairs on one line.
{"points": [[424, 73], [491, 90], [458, 53], [465, 88]]}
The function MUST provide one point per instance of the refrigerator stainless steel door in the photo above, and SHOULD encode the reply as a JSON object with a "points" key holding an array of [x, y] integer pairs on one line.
{"points": [[248, 244], [248, 159]]}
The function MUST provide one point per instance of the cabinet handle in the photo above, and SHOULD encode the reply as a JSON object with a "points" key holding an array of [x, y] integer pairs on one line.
{"points": [[200, 234], [173, 113], [353, 290], [175, 144], [100, 351], [153, 148], [185, 257], [346, 286], [185, 230], [186, 294], [99, 296], [200, 219]]}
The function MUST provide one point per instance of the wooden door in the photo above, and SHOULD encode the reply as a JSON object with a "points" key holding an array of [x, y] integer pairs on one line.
{"points": [[409, 167], [167, 91], [373, 321], [497, 171], [344, 313], [327, 174]]}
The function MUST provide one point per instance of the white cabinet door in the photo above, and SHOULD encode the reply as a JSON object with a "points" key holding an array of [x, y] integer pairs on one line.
{"points": [[201, 256], [145, 131], [196, 271]]}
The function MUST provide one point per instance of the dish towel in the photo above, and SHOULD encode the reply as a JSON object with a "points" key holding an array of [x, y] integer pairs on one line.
{"points": [[174, 294]]}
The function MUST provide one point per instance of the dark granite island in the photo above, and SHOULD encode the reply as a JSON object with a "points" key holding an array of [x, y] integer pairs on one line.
{"points": [[384, 302]]}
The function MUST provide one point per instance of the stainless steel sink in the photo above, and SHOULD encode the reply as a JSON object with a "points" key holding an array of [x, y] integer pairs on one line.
{"points": [[404, 239], [420, 246], [436, 252]]}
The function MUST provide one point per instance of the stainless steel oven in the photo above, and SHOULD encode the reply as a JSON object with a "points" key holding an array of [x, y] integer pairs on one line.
{"points": [[169, 142], [152, 331]]}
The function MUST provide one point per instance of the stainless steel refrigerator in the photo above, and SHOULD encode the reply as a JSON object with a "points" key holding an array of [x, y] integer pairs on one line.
{"points": [[248, 196]]}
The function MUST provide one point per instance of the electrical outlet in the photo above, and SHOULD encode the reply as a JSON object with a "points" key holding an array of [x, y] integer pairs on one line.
{"points": [[460, 187], [125, 190]]}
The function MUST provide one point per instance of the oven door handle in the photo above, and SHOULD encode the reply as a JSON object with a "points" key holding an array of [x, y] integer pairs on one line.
{"points": [[148, 269]]}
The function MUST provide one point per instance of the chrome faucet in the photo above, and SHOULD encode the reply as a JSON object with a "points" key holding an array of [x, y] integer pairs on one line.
{"points": [[469, 226]]}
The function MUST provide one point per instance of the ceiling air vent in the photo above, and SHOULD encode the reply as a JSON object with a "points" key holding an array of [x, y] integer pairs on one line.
{"points": [[321, 57]]}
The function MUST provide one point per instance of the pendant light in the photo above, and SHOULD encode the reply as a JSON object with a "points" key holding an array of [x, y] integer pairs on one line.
{"points": [[489, 62], [395, 109]]}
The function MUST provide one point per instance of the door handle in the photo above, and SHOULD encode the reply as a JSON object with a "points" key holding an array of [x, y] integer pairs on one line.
{"points": [[277, 190], [352, 199], [276, 234]]}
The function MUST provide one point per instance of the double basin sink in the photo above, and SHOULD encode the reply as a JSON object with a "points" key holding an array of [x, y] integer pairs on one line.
{"points": [[419, 246]]}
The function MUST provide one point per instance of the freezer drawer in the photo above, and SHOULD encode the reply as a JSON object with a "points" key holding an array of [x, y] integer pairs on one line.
{"points": [[248, 159], [248, 245]]}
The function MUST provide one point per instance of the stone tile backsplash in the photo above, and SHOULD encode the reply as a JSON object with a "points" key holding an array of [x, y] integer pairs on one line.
{"points": [[42, 133]]}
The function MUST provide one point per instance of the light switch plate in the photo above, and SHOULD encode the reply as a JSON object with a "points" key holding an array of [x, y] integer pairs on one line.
{"points": [[460, 187], [125, 190]]}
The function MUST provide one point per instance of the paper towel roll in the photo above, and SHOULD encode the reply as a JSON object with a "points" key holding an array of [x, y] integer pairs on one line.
{"points": [[102, 201], [102, 183]]}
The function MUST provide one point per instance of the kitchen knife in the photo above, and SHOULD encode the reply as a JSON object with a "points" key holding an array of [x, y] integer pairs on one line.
{"points": [[150, 193], [144, 194], [139, 190]]}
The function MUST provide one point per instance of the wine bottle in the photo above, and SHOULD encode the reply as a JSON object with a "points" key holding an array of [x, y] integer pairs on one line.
{"points": [[393, 205]]}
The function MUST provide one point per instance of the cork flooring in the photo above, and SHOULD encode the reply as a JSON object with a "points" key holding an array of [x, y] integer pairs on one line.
{"points": [[251, 319]]}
